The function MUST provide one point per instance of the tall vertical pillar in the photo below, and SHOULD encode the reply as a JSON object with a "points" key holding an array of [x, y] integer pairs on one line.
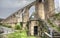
{"points": [[41, 13], [19, 16], [40, 9], [49, 7], [25, 17]]}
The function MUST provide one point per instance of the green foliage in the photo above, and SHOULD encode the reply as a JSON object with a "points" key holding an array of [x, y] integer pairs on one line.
{"points": [[54, 25], [49, 21], [23, 34], [18, 26], [31, 37], [58, 28], [6, 25], [9, 26], [57, 18], [0, 23], [19, 34], [14, 35]]}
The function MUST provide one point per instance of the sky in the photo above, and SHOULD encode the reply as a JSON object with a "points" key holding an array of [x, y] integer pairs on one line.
{"points": [[57, 6], [7, 7]]}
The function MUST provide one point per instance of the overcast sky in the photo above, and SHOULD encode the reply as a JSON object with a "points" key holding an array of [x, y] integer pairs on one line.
{"points": [[8, 7]]}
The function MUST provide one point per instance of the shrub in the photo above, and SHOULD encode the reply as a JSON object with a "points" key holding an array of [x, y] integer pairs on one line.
{"points": [[49, 21], [9, 26], [18, 26]]}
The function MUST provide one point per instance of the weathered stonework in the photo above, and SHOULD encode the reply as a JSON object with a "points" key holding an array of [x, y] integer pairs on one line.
{"points": [[42, 8], [32, 24], [25, 17], [49, 8]]}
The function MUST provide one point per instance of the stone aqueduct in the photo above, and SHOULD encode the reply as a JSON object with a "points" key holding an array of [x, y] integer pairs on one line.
{"points": [[42, 9]]}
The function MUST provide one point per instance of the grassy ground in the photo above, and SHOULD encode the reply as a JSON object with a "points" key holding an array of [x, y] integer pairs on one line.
{"points": [[19, 34]]}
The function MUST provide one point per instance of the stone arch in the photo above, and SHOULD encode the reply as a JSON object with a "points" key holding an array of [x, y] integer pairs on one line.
{"points": [[31, 10]]}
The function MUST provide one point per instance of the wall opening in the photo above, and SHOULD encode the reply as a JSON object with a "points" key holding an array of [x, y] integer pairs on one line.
{"points": [[35, 30]]}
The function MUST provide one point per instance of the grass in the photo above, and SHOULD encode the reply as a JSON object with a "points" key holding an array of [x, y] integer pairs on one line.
{"points": [[19, 34]]}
